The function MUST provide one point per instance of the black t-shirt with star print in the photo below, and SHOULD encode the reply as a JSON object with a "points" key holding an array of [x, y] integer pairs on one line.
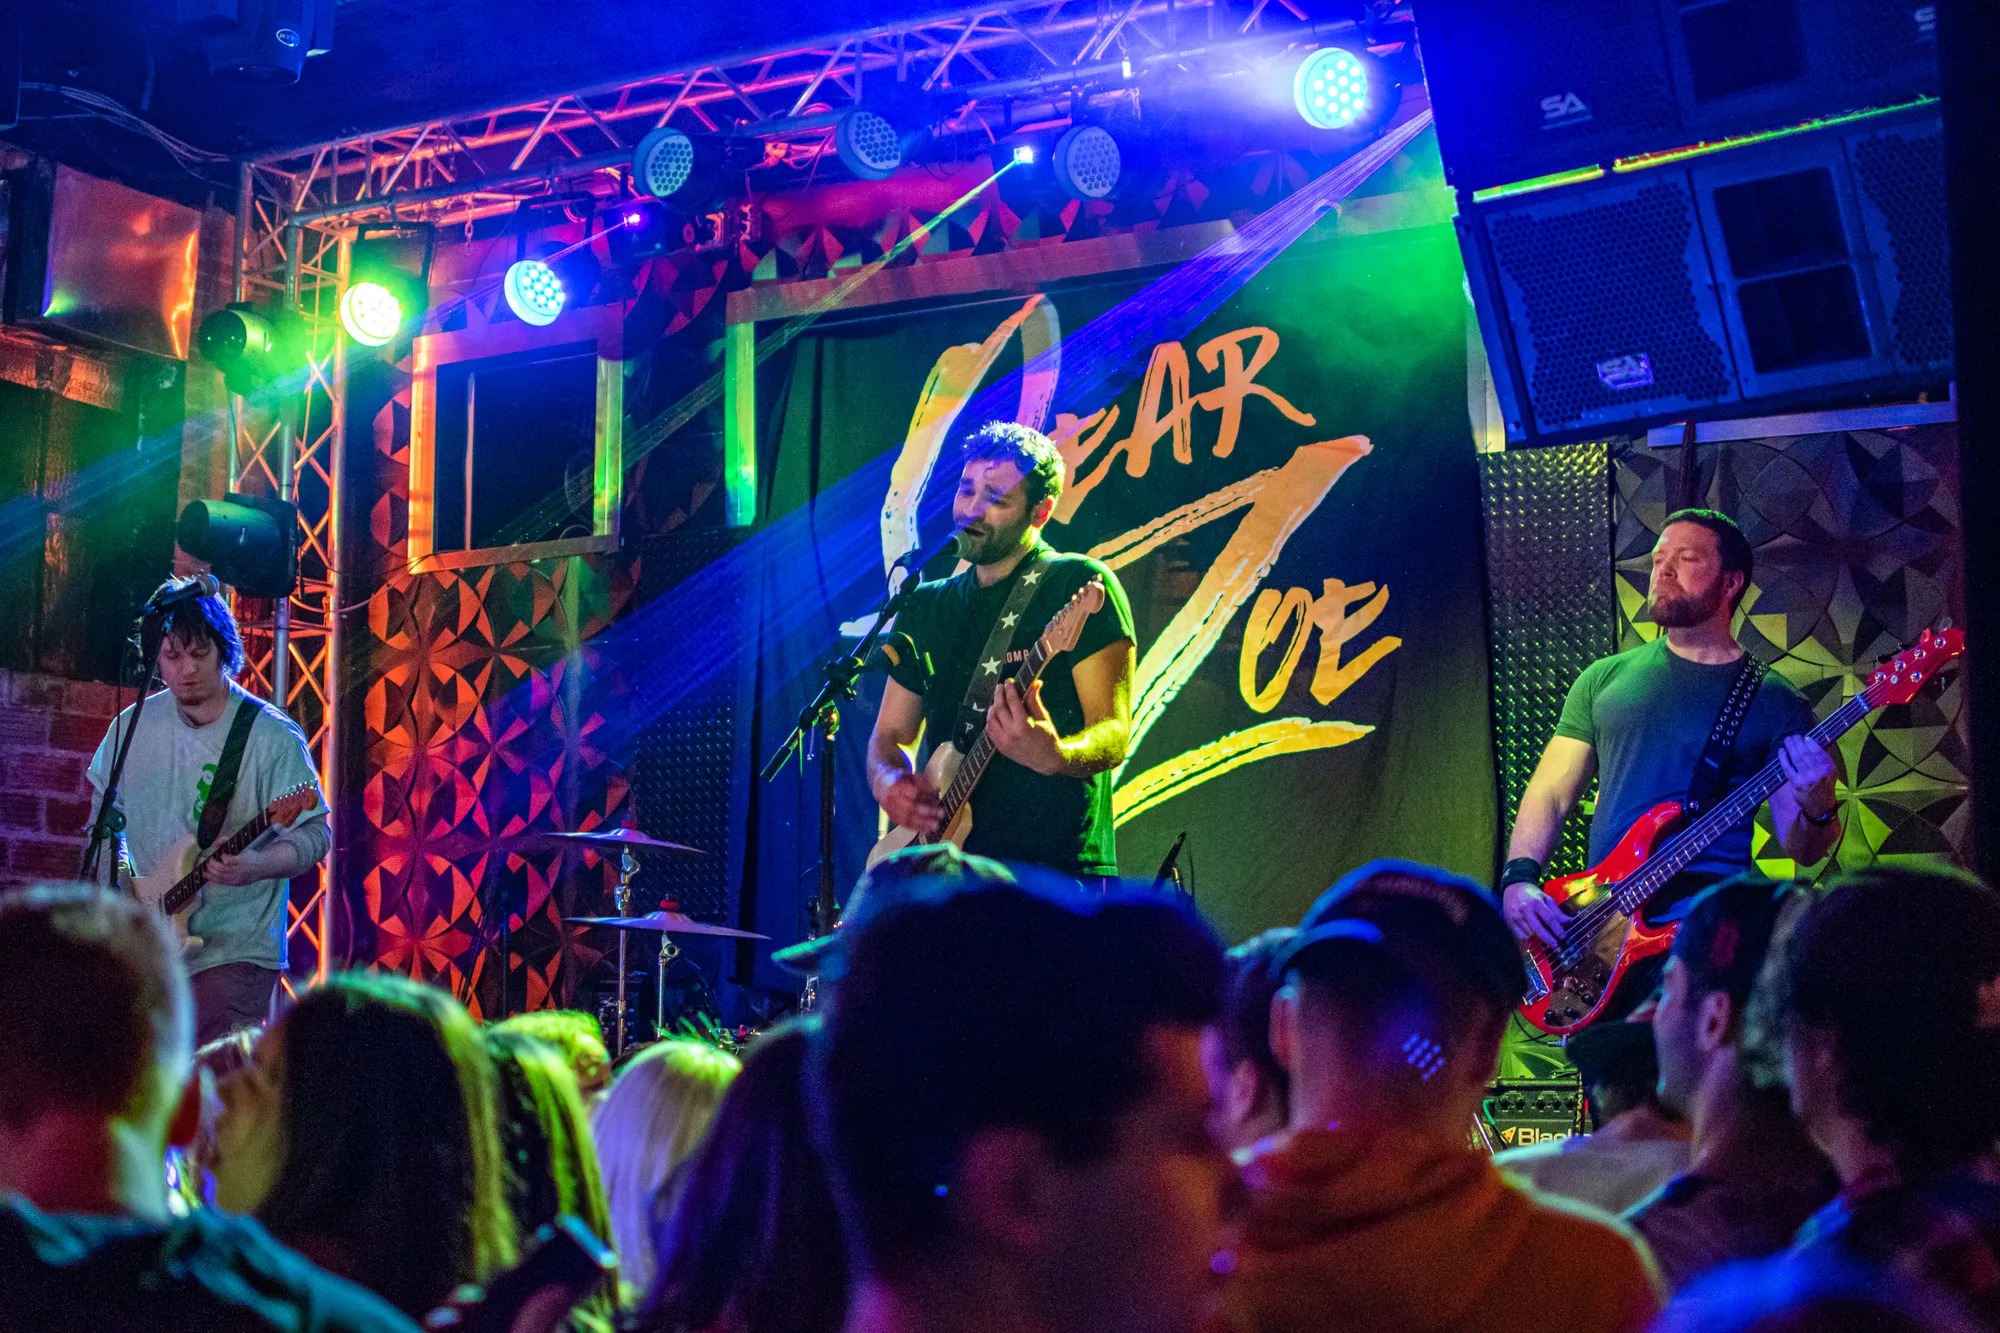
{"points": [[1017, 813]]}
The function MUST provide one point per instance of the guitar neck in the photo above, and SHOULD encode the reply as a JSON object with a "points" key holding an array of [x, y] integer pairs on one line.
{"points": [[1681, 850], [190, 884], [982, 751]]}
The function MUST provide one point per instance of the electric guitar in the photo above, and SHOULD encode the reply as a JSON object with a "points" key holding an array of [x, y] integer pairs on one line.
{"points": [[173, 887], [955, 775], [1569, 984]]}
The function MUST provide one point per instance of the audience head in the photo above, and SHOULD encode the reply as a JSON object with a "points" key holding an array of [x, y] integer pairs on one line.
{"points": [[95, 1049], [1014, 1106], [1889, 996], [363, 1134], [657, 1110], [577, 1036], [1817, 1294], [1706, 986], [545, 1136], [923, 869], [1615, 1062], [1395, 993], [1247, 1086], [747, 1237]]}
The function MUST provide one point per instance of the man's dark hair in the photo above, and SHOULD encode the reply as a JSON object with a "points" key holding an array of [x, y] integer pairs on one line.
{"points": [[1246, 1007], [93, 996], [1723, 938], [996, 1007], [1902, 967], [1034, 453], [1619, 1066], [1737, 557], [206, 619]]}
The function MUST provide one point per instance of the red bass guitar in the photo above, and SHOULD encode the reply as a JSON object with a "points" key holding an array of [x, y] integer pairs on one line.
{"points": [[1570, 983]]}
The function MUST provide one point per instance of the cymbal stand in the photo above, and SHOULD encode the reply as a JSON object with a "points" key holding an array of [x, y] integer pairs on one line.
{"points": [[628, 866], [668, 952]]}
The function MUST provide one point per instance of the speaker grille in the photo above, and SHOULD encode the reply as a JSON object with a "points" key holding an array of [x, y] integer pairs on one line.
{"points": [[1611, 322], [1536, 86], [1902, 180]]}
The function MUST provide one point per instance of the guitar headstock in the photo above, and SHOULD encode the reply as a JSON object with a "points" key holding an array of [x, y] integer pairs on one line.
{"points": [[1066, 626], [1898, 680], [288, 807]]}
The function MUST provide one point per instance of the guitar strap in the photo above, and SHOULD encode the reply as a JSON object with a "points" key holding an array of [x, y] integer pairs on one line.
{"points": [[1705, 785], [227, 768], [988, 669]]}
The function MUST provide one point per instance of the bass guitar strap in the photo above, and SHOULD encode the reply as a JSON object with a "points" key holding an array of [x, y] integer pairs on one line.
{"points": [[1705, 786], [227, 768], [990, 667]]}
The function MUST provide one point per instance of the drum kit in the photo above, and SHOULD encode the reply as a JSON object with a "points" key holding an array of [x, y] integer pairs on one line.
{"points": [[666, 923]]}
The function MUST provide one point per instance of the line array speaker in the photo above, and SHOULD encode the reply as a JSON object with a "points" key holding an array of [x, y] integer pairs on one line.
{"points": [[1765, 276], [1532, 87]]}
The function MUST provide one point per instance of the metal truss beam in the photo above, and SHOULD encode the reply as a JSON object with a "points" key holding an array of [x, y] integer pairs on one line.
{"points": [[1010, 62]]}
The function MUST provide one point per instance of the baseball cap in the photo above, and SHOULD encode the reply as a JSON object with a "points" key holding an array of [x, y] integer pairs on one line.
{"points": [[1405, 908], [921, 872], [1726, 933]]}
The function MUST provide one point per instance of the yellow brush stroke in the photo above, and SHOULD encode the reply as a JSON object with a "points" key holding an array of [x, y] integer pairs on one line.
{"points": [[1191, 768], [1285, 496]]}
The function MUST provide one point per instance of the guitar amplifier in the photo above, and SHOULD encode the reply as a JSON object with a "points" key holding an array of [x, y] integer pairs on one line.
{"points": [[1520, 1111]]}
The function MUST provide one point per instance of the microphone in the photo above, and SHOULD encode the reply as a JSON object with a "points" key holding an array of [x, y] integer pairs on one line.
{"points": [[1167, 866], [895, 649], [917, 557], [175, 591]]}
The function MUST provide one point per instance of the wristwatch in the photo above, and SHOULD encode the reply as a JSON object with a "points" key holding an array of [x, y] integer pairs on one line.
{"points": [[1821, 821]]}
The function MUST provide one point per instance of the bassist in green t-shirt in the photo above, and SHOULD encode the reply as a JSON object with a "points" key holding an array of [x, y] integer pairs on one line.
{"points": [[1640, 720]]}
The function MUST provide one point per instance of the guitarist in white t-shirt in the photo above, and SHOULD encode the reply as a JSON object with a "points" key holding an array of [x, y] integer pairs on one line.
{"points": [[236, 926], [1045, 797]]}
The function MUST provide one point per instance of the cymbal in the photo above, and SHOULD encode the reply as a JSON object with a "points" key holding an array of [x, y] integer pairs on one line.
{"points": [[667, 923], [614, 838]]}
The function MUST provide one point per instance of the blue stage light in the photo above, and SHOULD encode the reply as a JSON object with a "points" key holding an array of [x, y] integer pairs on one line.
{"points": [[1335, 88], [534, 293], [1024, 153]]}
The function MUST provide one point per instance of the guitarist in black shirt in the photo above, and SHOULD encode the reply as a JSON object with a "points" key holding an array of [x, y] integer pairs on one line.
{"points": [[1046, 797]]}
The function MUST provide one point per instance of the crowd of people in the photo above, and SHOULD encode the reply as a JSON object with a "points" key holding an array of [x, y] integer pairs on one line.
{"points": [[1021, 1109]]}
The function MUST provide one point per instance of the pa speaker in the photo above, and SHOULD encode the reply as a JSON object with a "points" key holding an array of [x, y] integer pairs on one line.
{"points": [[1536, 87], [1801, 270]]}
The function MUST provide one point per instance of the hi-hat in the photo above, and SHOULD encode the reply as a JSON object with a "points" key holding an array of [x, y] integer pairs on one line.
{"points": [[666, 923]]}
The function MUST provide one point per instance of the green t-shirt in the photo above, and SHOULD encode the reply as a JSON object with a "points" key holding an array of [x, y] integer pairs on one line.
{"points": [[1017, 813], [1648, 713]]}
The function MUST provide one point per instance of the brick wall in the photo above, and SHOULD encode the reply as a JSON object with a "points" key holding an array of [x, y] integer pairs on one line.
{"points": [[49, 727]]}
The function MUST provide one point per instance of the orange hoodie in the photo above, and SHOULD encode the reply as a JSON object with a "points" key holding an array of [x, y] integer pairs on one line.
{"points": [[1397, 1233]]}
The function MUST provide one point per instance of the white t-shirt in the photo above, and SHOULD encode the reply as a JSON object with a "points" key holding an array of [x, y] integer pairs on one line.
{"points": [[162, 790]]}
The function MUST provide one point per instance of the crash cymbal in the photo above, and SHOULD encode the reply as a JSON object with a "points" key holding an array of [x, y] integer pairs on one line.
{"points": [[666, 923], [600, 838]]}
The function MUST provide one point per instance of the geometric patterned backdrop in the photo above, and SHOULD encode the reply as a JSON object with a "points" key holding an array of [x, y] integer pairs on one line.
{"points": [[1857, 542]]}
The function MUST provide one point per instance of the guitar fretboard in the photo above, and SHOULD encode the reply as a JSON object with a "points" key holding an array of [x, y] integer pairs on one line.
{"points": [[188, 885], [982, 751], [1681, 850]]}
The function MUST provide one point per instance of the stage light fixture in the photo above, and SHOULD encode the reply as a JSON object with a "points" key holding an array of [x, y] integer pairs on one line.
{"points": [[253, 347], [1024, 153], [1336, 88], [1087, 162], [250, 541], [371, 313], [867, 144], [534, 293], [670, 164]]}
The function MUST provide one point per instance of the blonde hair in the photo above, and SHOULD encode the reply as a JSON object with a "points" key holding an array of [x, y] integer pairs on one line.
{"points": [[653, 1117]]}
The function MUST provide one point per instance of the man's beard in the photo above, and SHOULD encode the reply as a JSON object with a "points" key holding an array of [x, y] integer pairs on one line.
{"points": [[993, 545], [1685, 611]]}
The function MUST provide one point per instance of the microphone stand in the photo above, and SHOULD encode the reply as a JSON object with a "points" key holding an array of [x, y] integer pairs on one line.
{"points": [[821, 719], [110, 821]]}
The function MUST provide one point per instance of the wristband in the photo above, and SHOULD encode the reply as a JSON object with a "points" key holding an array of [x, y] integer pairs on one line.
{"points": [[1522, 870], [1821, 821]]}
